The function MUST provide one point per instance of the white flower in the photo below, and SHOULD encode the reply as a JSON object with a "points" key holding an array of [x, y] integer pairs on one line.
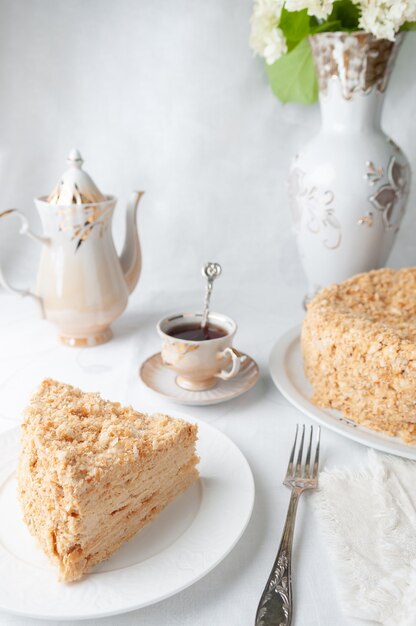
{"points": [[318, 8], [274, 46], [383, 18], [410, 12], [266, 38]]}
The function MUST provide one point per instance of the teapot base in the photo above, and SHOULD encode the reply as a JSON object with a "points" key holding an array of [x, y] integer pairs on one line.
{"points": [[95, 339]]}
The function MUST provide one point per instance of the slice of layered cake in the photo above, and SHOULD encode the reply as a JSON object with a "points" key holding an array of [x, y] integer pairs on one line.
{"points": [[92, 473], [359, 350]]}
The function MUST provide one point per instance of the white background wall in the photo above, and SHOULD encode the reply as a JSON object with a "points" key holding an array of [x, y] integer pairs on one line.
{"points": [[164, 96]]}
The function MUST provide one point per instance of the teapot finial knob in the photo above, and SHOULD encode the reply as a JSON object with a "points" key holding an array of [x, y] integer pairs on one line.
{"points": [[75, 186], [75, 159]]}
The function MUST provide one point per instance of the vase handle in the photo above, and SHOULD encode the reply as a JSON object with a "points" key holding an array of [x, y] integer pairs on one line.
{"points": [[24, 230]]}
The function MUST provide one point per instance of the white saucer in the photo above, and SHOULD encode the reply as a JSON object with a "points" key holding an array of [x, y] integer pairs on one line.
{"points": [[161, 379]]}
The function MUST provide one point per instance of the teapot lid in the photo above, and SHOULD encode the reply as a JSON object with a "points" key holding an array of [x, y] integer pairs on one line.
{"points": [[75, 186]]}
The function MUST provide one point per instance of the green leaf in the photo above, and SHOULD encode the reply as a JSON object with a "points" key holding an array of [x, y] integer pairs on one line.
{"points": [[295, 25], [408, 26], [346, 13], [325, 27], [293, 77]]}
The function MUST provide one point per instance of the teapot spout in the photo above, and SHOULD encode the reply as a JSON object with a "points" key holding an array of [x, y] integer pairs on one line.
{"points": [[131, 258]]}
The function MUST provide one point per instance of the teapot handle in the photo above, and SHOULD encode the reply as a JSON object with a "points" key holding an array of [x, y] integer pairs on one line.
{"points": [[24, 230]]}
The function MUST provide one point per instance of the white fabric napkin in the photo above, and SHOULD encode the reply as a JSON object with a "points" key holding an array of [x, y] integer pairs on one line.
{"points": [[369, 522]]}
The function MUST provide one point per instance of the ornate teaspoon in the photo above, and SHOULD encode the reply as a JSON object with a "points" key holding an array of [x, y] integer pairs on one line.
{"points": [[210, 271]]}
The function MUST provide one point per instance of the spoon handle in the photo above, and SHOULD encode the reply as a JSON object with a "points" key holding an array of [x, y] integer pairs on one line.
{"points": [[208, 291], [211, 271]]}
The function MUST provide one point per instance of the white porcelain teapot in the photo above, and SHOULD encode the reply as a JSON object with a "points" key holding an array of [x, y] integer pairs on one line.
{"points": [[82, 285]]}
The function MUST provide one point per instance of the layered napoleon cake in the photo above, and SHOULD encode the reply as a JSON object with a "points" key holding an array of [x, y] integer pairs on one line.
{"points": [[92, 473], [359, 350]]}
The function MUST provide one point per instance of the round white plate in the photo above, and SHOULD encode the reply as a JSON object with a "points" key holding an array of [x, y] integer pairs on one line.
{"points": [[162, 380], [190, 537], [286, 368]]}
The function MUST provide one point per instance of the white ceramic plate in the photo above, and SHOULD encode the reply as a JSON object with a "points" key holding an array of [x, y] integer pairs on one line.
{"points": [[190, 537], [286, 368]]}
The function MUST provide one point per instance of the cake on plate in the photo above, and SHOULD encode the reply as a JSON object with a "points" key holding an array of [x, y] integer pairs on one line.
{"points": [[92, 473], [359, 350]]}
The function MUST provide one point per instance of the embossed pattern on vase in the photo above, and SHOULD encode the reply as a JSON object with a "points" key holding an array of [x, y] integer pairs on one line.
{"points": [[359, 61], [390, 198], [317, 204]]}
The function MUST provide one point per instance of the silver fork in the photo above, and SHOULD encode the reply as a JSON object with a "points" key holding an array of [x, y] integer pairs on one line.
{"points": [[275, 606]]}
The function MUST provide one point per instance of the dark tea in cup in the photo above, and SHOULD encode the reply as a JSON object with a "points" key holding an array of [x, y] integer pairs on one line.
{"points": [[195, 332]]}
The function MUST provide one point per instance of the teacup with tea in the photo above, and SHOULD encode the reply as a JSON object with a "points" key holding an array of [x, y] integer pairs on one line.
{"points": [[199, 354]]}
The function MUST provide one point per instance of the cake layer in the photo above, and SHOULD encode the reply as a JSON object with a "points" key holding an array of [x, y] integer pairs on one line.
{"points": [[83, 558], [92, 473], [359, 349], [58, 529]]}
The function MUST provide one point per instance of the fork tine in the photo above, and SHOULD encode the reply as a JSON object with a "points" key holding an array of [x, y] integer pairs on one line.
{"points": [[289, 471], [307, 468], [298, 471], [316, 463]]}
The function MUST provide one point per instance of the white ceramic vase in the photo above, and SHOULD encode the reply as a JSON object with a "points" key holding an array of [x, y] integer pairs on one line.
{"points": [[349, 185]]}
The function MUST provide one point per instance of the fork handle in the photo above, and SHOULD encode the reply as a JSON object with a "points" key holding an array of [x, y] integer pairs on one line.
{"points": [[275, 606]]}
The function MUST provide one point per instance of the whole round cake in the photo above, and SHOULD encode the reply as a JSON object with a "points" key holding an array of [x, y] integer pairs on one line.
{"points": [[359, 350]]}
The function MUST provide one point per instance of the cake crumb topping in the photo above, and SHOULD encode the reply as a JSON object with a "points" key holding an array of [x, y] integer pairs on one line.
{"points": [[359, 349], [83, 431]]}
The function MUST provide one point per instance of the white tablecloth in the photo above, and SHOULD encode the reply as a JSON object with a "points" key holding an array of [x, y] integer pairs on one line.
{"points": [[260, 422]]}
